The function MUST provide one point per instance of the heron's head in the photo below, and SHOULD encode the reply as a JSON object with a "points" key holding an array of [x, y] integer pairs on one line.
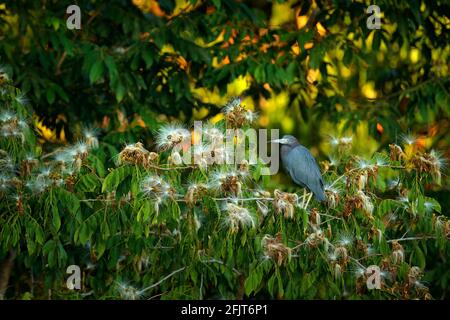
{"points": [[287, 140]]}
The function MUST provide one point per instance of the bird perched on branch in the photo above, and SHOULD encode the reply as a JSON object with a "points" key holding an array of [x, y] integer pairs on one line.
{"points": [[301, 165]]}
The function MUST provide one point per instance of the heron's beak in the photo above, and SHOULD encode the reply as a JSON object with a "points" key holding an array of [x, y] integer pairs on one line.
{"points": [[280, 141]]}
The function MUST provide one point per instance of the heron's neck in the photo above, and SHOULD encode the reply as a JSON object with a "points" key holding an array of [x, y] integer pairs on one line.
{"points": [[284, 150]]}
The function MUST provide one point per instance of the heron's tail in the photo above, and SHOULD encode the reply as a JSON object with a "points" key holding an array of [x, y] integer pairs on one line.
{"points": [[320, 195]]}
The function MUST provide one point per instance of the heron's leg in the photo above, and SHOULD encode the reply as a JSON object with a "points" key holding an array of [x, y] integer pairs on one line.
{"points": [[303, 198], [309, 199]]}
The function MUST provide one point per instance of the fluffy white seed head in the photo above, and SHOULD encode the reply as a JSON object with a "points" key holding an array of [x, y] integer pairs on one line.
{"points": [[345, 239], [170, 135], [408, 139], [238, 217], [231, 105]]}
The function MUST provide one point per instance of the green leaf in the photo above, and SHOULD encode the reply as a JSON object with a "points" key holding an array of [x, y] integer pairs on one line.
{"points": [[260, 74], [100, 249], [96, 71], [61, 93], [113, 179], [304, 37], [434, 204], [253, 281], [120, 92], [217, 3], [39, 234], [387, 206], [49, 246], [147, 55], [84, 233], [305, 219], [56, 220], [88, 183], [280, 284], [112, 67], [50, 96], [420, 258], [270, 285], [69, 201]]}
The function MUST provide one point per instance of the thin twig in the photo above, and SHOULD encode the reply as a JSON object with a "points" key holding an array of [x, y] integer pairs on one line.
{"points": [[222, 263], [242, 199], [298, 246], [162, 280], [101, 200], [169, 168], [412, 238]]}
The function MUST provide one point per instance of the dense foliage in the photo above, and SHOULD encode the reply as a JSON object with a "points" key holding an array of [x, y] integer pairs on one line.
{"points": [[149, 57], [151, 227]]}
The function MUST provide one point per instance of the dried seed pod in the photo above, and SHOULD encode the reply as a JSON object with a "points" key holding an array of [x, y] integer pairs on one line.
{"points": [[396, 152], [332, 195], [262, 207], [153, 157], [19, 205], [314, 217], [157, 189], [171, 135], [329, 231], [238, 217], [175, 158], [262, 193], [341, 253], [28, 165], [227, 182], [243, 167], [315, 239], [365, 204], [361, 246], [275, 249], [398, 253], [194, 192], [284, 203], [414, 275], [135, 154], [362, 180], [91, 137], [236, 115], [431, 163]]}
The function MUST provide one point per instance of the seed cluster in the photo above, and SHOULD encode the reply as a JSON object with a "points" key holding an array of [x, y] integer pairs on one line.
{"points": [[137, 154], [236, 115], [284, 203], [274, 249]]}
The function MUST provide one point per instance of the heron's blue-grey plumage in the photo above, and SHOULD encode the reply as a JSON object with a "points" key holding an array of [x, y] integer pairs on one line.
{"points": [[302, 167]]}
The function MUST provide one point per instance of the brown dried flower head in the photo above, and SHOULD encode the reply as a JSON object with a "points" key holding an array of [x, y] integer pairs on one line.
{"points": [[227, 182], [236, 115], [284, 203], [315, 239], [396, 152], [194, 193], [275, 249], [398, 253], [136, 154]]}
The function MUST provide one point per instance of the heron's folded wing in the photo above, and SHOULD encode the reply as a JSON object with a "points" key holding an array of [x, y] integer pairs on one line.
{"points": [[303, 168]]}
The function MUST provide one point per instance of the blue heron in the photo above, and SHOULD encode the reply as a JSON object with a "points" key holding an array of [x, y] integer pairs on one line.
{"points": [[301, 166]]}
